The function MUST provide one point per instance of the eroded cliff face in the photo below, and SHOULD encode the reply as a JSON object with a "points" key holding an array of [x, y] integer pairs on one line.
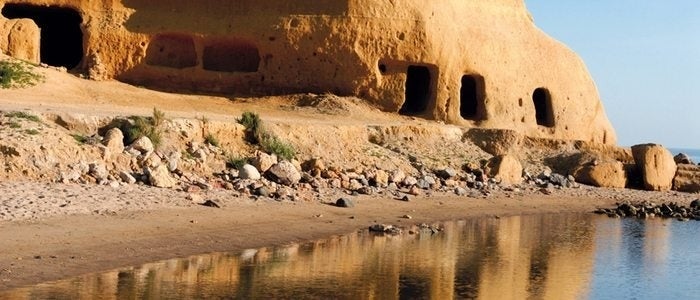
{"points": [[471, 63]]}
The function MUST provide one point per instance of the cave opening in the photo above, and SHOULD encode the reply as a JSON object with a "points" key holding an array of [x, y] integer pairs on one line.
{"points": [[61, 33]]}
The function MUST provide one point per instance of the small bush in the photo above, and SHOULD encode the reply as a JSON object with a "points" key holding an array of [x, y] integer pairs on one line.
{"points": [[148, 127], [17, 74], [211, 140], [235, 162], [23, 115], [273, 145], [14, 125], [81, 139], [253, 125]]}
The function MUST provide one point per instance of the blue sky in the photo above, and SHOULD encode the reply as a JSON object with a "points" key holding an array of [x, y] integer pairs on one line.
{"points": [[645, 58]]}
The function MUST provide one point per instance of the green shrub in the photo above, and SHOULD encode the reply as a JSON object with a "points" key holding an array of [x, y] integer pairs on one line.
{"points": [[253, 126], [81, 139], [23, 115], [14, 125], [211, 140], [17, 74], [273, 145], [148, 127], [235, 162]]}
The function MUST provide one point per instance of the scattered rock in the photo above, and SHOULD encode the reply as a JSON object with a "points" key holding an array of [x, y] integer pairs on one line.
{"points": [[285, 173], [160, 177], [365, 190], [344, 202], [414, 190], [263, 161], [263, 191], [143, 145], [210, 203], [397, 176], [684, 159], [647, 209], [127, 177], [114, 140], [381, 178], [446, 173], [98, 171], [407, 217], [409, 181], [657, 166], [173, 160], [249, 172], [460, 191]]}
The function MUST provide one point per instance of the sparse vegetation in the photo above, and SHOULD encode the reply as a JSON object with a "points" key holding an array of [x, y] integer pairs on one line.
{"points": [[14, 125], [23, 115], [211, 140], [81, 139], [253, 126], [235, 162], [17, 74], [273, 145], [149, 127], [269, 143]]}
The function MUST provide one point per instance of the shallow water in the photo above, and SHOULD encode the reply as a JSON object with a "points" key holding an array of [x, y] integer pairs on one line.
{"points": [[540, 257]]}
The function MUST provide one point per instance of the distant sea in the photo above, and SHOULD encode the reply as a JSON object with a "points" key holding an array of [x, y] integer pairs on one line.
{"points": [[693, 153]]}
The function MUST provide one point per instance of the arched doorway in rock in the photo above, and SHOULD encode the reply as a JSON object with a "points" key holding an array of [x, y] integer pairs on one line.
{"points": [[61, 35], [418, 90], [471, 98], [544, 113]]}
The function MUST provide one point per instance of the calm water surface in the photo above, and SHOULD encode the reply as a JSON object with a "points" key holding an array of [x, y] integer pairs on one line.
{"points": [[530, 257]]}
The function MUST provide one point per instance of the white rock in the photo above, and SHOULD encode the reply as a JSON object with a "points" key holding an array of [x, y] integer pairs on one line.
{"points": [[248, 171]]}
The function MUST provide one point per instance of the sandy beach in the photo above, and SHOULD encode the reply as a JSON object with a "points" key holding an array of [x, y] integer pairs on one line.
{"points": [[56, 231]]}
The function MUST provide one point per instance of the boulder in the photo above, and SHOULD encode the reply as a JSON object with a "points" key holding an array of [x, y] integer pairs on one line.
{"points": [[160, 177], [263, 161], [683, 158], [609, 174], [381, 178], [507, 168], [127, 177], [284, 172], [314, 166], [344, 202], [687, 178], [397, 176], [657, 166], [114, 140], [248, 171], [98, 171], [446, 173], [143, 145]]}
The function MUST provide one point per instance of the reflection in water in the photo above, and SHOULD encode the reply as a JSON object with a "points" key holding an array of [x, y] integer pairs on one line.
{"points": [[540, 257]]}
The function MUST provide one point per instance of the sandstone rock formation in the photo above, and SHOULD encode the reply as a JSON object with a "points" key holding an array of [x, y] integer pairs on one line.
{"points": [[480, 63], [657, 166], [610, 174], [507, 168], [687, 178]]}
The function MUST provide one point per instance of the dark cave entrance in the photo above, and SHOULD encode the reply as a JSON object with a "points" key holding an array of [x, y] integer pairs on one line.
{"points": [[61, 35], [418, 90], [471, 98], [544, 112]]}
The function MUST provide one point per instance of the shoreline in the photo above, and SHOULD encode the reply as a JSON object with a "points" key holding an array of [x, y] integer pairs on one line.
{"points": [[60, 247]]}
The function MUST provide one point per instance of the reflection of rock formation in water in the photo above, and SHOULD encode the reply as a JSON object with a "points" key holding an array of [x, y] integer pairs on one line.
{"points": [[541, 256]]}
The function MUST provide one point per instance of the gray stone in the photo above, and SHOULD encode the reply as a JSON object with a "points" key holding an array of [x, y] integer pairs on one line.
{"points": [[127, 177], [683, 158], [249, 172], [460, 191], [365, 190], [344, 202], [446, 173], [422, 184], [285, 173]]}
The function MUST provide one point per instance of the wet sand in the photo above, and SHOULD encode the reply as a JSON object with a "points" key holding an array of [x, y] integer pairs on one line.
{"points": [[103, 228]]}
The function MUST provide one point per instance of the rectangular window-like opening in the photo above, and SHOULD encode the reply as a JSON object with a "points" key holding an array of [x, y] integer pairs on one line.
{"points": [[231, 55], [472, 94], [544, 112], [172, 50], [418, 90]]}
